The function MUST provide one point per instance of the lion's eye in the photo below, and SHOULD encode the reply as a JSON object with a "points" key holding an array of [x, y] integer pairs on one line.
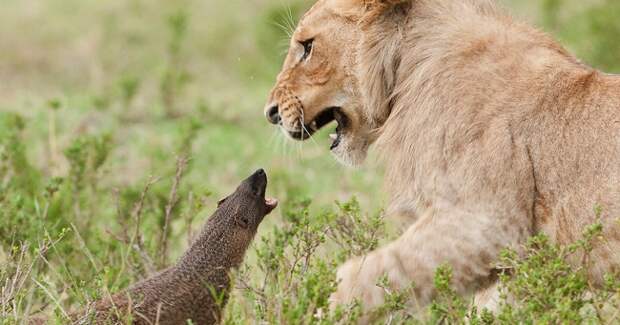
{"points": [[307, 48]]}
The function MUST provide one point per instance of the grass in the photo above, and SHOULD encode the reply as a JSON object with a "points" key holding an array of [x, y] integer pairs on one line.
{"points": [[98, 100]]}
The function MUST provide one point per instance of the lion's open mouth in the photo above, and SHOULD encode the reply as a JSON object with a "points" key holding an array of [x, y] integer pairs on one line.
{"points": [[324, 118]]}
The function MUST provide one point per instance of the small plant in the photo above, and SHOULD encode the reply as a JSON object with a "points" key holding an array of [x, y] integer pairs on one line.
{"points": [[352, 231], [16, 171], [448, 307], [543, 286], [86, 155], [296, 277], [398, 306]]}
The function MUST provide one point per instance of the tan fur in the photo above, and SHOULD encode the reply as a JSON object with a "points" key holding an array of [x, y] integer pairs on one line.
{"points": [[493, 132]]}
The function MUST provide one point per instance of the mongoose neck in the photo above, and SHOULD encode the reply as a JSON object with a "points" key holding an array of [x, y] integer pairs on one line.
{"points": [[215, 251]]}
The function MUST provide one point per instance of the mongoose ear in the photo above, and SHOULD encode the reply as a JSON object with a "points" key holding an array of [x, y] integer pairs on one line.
{"points": [[220, 202]]}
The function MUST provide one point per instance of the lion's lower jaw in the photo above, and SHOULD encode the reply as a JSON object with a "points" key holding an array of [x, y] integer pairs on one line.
{"points": [[350, 156]]}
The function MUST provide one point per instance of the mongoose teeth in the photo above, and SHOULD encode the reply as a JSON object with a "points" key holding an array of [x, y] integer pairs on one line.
{"points": [[271, 202]]}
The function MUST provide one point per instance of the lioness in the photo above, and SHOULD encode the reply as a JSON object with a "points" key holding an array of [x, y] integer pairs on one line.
{"points": [[492, 133]]}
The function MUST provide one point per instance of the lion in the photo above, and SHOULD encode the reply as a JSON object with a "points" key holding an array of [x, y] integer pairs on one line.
{"points": [[491, 132]]}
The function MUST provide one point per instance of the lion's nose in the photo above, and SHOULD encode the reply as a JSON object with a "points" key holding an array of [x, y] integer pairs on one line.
{"points": [[273, 116]]}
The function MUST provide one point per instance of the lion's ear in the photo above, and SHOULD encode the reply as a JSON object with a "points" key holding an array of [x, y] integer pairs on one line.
{"points": [[383, 3], [375, 8], [353, 9], [366, 9]]}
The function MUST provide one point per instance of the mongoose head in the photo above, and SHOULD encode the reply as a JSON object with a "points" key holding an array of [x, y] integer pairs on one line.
{"points": [[240, 213], [247, 205]]}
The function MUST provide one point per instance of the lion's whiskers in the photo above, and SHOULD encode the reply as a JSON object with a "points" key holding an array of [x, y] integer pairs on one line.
{"points": [[289, 19], [304, 129], [284, 28]]}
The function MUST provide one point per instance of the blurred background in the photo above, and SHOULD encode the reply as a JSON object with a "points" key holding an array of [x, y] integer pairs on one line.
{"points": [[98, 96]]}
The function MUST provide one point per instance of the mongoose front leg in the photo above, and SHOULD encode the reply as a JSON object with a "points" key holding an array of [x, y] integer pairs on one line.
{"points": [[468, 242]]}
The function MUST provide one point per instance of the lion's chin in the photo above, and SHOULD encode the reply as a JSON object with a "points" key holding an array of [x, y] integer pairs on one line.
{"points": [[350, 151]]}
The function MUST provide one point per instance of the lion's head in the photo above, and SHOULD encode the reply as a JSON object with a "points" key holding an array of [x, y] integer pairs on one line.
{"points": [[319, 84]]}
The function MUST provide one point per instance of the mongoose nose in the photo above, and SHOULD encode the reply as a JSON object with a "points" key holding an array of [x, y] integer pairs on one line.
{"points": [[273, 116], [259, 177], [258, 182]]}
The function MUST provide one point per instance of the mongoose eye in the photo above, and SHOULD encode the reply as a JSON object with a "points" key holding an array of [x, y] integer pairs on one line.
{"points": [[243, 221]]}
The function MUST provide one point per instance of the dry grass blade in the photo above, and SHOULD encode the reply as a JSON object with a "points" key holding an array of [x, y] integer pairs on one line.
{"points": [[137, 241]]}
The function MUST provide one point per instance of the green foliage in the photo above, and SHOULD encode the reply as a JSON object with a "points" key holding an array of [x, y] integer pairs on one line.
{"points": [[297, 279], [544, 287], [86, 155], [399, 306], [540, 285], [448, 307], [14, 161], [354, 232], [593, 32]]}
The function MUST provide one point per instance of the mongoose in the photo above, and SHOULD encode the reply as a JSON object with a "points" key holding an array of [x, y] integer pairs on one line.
{"points": [[197, 287]]}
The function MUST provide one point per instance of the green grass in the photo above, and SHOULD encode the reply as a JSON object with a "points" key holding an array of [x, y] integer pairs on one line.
{"points": [[99, 97]]}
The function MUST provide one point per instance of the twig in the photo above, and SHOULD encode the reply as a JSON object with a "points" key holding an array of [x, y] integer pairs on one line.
{"points": [[137, 241], [172, 201], [9, 291], [137, 213]]}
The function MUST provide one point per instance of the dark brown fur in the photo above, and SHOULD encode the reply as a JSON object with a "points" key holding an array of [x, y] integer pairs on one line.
{"points": [[197, 287]]}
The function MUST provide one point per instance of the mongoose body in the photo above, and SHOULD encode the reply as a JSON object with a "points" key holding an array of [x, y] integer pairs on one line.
{"points": [[196, 288]]}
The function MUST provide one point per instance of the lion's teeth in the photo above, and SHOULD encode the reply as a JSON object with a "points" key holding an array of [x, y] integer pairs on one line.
{"points": [[313, 125], [333, 136]]}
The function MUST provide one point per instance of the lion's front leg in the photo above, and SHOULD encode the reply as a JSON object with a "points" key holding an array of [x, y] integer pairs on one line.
{"points": [[469, 243], [358, 277]]}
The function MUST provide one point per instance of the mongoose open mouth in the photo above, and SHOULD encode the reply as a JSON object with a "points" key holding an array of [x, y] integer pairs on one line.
{"points": [[258, 182], [271, 204]]}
